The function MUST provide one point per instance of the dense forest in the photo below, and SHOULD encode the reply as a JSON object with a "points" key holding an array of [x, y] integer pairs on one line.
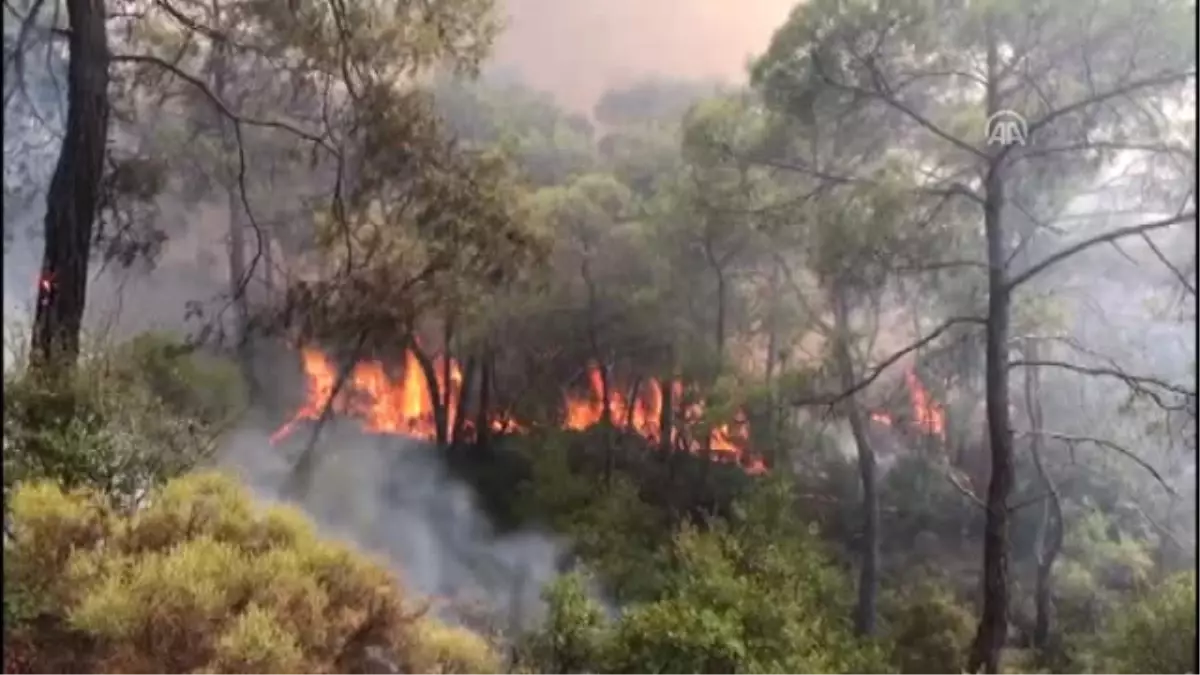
{"points": [[879, 359]]}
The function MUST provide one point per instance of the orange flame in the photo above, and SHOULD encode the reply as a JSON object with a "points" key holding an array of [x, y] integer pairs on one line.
{"points": [[643, 415], [404, 405], [385, 405], [928, 416]]}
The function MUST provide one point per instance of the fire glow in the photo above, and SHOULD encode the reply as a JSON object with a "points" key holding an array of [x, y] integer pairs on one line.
{"points": [[404, 405], [927, 416]]}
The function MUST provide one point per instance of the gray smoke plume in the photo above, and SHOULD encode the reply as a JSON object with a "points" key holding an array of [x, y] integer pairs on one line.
{"points": [[394, 497]]}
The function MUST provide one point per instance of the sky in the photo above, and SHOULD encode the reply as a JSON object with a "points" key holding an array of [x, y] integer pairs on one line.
{"points": [[576, 49]]}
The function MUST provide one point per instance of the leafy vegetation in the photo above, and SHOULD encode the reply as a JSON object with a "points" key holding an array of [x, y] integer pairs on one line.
{"points": [[804, 373]]}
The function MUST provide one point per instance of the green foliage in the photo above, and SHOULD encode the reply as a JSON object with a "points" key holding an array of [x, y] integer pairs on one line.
{"points": [[1156, 632], [123, 420], [202, 580], [611, 528], [575, 636], [929, 630], [755, 594]]}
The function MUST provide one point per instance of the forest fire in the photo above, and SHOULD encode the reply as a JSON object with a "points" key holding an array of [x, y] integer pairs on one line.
{"points": [[927, 415], [404, 405]]}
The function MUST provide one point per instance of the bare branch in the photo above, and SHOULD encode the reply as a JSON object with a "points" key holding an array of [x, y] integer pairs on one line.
{"points": [[1138, 383], [955, 189], [220, 104], [1124, 90], [1113, 235], [874, 372], [1073, 440], [1160, 80], [967, 492], [1163, 148], [1179, 275]]}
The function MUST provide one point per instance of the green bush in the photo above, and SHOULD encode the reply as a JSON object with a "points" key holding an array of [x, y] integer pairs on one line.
{"points": [[122, 421], [756, 594], [928, 629], [201, 580], [1156, 633]]}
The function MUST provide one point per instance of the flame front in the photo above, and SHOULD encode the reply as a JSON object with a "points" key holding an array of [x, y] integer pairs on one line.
{"points": [[927, 415], [404, 405], [643, 416], [385, 405]]}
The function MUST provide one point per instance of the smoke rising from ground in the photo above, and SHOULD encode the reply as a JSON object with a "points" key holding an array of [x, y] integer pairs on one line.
{"points": [[394, 497]]}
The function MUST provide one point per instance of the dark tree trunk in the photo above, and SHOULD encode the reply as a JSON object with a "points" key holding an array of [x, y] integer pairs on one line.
{"points": [[993, 621], [460, 408], [868, 577], [631, 402], [1050, 530], [483, 430], [429, 369], [666, 421], [447, 368], [772, 412], [74, 194]]}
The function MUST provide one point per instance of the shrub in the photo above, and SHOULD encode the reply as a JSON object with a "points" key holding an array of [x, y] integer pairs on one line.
{"points": [[1156, 633], [200, 580], [929, 630], [122, 421], [755, 594]]}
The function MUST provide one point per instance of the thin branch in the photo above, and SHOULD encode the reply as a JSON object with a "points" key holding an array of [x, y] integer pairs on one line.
{"points": [[876, 371], [955, 189], [1118, 92], [1138, 383], [1074, 440], [1113, 235], [1179, 275], [220, 104], [964, 490]]}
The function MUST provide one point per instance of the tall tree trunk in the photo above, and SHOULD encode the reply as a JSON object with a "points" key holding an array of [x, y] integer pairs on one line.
{"points": [[74, 193], [483, 430], [460, 408], [218, 65], [447, 367], [631, 403], [993, 621], [666, 419], [772, 414], [429, 369], [1050, 530], [868, 576]]}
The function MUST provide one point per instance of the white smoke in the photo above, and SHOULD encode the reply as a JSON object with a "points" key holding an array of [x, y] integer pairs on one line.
{"points": [[394, 497]]}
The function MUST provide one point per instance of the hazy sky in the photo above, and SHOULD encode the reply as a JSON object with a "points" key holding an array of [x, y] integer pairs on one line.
{"points": [[577, 48]]}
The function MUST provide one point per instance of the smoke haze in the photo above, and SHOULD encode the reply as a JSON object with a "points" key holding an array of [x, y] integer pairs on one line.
{"points": [[576, 49]]}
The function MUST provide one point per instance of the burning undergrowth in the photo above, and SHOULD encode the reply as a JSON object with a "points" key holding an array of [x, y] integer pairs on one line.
{"points": [[401, 401], [383, 481]]}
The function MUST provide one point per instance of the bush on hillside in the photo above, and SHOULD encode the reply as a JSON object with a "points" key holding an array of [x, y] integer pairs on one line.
{"points": [[122, 421], [755, 594], [1156, 633], [928, 629], [201, 580]]}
